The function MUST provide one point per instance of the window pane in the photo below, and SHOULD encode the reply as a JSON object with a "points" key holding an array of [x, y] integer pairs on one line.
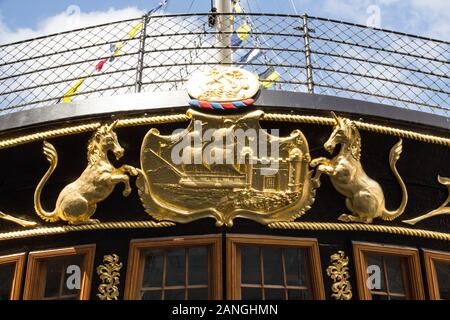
{"points": [[274, 294], [198, 265], [250, 265], [273, 266], [53, 277], [176, 267], [373, 263], [68, 284], [198, 294], [174, 294], [6, 277], [299, 295], [151, 295], [57, 276], [153, 269], [395, 274], [251, 294], [295, 267], [443, 278]]}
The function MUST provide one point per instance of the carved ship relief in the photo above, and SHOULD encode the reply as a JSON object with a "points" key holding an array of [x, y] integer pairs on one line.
{"points": [[215, 168]]}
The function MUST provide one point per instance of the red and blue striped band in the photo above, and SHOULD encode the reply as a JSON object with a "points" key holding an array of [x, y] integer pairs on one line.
{"points": [[221, 105]]}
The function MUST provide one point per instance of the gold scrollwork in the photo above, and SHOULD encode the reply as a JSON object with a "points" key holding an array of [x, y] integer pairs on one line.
{"points": [[109, 274], [339, 273], [442, 209], [77, 202], [364, 196]]}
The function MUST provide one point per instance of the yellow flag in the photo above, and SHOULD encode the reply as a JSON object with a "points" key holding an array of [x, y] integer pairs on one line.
{"points": [[268, 80], [67, 97], [135, 30], [243, 31]]}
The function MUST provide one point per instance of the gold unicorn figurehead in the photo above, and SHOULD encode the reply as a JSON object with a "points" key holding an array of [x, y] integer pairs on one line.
{"points": [[104, 140], [345, 133]]}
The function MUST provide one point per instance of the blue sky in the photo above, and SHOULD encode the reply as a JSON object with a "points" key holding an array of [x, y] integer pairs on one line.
{"points": [[25, 18]]}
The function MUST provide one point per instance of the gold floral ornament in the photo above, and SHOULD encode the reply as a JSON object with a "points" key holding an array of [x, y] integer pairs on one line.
{"points": [[225, 168], [443, 208], [339, 274], [77, 202], [364, 196], [109, 273]]}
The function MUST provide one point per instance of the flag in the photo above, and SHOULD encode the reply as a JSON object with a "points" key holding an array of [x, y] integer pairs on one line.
{"points": [[115, 50], [236, 7], [268, 77], [67, 97], [250, 56], [163, 3], [100, 65], [134, 31], [240, 34]]}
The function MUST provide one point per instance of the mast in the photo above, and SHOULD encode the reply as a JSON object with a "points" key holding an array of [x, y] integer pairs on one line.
{"points": [[225, 28]]}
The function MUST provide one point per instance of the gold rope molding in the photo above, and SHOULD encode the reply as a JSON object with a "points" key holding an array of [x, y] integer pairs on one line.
{"points": [[8, 143], [99, 226], [329, 226], [361, 125]]}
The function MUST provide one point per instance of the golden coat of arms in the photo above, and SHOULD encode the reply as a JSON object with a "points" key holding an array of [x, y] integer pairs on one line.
{"points": [[225, 168], [223, 84]]}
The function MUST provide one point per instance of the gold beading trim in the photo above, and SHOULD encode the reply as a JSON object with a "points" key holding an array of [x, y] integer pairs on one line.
{"points": [[329, 226], [7, 143], [99, 226]]}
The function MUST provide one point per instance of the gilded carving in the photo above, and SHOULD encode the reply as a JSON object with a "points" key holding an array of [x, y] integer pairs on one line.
{"points": [[442, 209], [223, 83], [22, 222], [77, 202], [109, 274], [214, 168], [339, 273], [364, 196]]}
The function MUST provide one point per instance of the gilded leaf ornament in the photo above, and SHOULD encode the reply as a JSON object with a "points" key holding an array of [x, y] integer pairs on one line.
{"points": [[109, 274], [338, 271]]}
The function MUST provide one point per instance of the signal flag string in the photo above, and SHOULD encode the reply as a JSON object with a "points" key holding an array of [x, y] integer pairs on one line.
{"points": [[114, 52]]}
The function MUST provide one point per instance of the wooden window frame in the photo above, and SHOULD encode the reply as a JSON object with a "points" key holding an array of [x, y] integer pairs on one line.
{"points": [[360, 249], [34, 283], [233, 260], [135, 263], [430, 257], [19, 260]]}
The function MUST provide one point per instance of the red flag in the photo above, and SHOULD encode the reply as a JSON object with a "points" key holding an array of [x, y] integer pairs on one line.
{"points": [[99, 65]]}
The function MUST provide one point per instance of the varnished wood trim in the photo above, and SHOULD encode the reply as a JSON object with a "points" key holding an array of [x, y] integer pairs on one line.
{"points": [[135, 263], [34, 280], [413, 263], [430, 256], [19, 262], [233, 260]]}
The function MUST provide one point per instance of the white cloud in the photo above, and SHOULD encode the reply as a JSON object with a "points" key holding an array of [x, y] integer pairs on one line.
{"points": [[67, 20]]}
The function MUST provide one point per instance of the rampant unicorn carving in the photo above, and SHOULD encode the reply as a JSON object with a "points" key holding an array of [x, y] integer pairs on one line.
{"points": [[364, 196], [77, 202]]}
